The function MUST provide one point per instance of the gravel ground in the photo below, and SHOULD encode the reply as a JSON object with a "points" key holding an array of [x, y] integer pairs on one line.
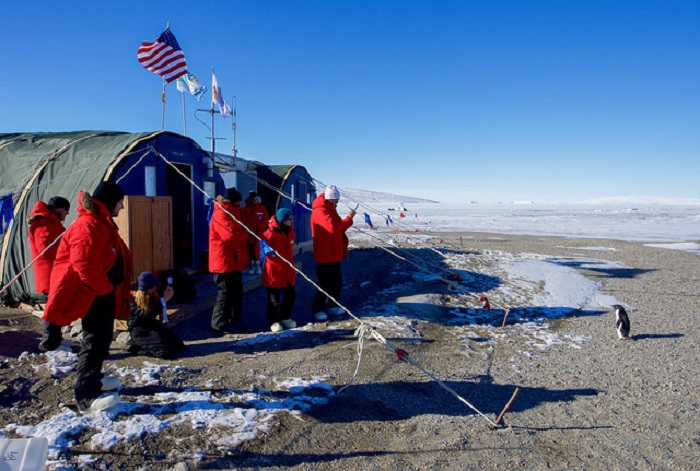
{"points": [[597, 403]]}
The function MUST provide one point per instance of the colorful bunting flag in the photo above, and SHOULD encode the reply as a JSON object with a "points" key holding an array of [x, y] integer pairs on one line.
{"points": [[368, 221], [163, 57], [218, 98]]}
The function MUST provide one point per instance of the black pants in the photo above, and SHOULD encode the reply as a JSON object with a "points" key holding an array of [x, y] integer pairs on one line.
{"points": [[158, 342], [330, 280], [229, 299], [98, 325], [51, 338], [279, 303]]}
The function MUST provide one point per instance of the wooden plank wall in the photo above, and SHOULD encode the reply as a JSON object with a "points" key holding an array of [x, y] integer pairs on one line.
{"points": [[145, 224]]}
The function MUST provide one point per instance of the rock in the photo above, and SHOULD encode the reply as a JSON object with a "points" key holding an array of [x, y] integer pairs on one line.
{"points": [[123, 338]]}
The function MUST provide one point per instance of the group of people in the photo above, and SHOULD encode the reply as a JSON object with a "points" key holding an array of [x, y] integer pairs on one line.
{"points": [[87, 276], [228, 257]]}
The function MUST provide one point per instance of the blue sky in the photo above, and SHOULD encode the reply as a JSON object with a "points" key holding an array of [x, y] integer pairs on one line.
{"points": [[549, 101]]}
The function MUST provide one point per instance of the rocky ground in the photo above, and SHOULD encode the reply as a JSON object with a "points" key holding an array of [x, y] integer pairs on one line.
{"points": [[590, 403]]}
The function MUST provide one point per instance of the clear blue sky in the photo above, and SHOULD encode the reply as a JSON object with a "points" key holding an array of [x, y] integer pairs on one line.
{"points": [[550, 101]]}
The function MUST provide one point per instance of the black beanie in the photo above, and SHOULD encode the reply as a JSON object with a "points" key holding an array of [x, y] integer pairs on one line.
{"points": [[58, 202], [109, 194], [233, 195]]}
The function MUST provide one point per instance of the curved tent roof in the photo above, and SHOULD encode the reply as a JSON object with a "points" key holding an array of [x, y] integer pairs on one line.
{"points": [[37, 166]]}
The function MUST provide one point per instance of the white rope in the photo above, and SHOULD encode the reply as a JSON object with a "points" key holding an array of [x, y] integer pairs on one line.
{"points": [[372, 236], [16, 277], [362, 331], [369, 234], [150, 149]]}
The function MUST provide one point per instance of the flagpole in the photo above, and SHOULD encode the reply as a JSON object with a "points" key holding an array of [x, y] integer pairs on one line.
{"points": [[213, 147], [162, 109], [184, 114], [234, 151], [162, 96]]}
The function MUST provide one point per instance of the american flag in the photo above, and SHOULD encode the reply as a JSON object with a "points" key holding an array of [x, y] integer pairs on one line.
{"points": [[163, 57]]}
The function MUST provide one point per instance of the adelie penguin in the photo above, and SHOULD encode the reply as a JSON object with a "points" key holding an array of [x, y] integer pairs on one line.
{"points": [[622, 322]]}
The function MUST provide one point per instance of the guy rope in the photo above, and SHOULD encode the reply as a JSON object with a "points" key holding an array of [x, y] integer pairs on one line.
{"points": [[363, 331]]}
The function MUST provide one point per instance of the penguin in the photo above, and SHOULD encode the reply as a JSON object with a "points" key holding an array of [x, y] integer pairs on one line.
{"points": [[622, 322]]}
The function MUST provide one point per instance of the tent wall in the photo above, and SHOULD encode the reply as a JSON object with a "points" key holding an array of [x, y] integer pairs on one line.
{"points": [[295, 182], [65, 163], [38, 166]]}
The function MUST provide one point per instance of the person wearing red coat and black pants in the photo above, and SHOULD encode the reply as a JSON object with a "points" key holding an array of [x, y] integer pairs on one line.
{"points": [[91, 280], [278, 276], [228, 257], [330, 247], [256, 218], [45, 227]]}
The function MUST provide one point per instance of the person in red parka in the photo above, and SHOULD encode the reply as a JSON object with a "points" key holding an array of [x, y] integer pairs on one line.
{"points": [[256, 217], [91, 280], [278, 276], [228, 257], [45, 227], [330, 247]]}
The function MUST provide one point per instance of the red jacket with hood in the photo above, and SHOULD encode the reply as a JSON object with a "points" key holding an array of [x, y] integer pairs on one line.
{"points": [[44, 228], [328, 231], [228, 247], [277, 273], [86, 253], [255, 216]]}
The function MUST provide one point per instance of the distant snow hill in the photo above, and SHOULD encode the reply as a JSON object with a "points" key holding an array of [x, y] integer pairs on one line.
{"points": [[642, 201], [368, 196]]}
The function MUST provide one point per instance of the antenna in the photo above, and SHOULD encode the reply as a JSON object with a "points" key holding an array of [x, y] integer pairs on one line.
{"points": [[234, 151]]}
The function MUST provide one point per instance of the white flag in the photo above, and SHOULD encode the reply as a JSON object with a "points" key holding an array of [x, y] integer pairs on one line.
{"points": [[218, 98]]}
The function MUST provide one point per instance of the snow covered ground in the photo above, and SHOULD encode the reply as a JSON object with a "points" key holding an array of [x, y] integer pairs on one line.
{"points": [[652, 223], [554, 287]]}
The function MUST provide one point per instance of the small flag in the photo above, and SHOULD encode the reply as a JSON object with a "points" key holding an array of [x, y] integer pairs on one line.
{"points": [[402, 215], [389, 220], [210, 213], [163, 57], [218, 98], [368, 221], [189, 83], [264, 250]]}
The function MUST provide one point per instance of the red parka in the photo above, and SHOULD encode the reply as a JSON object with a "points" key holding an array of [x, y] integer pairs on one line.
{"points": [[44, 228], [228, 248], [277, 273], [328, 231], [255, 216], [86, 253]]}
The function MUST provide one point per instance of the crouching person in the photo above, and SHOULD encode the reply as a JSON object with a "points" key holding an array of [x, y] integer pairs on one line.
{"points": [[91, 281], [148, 334]]}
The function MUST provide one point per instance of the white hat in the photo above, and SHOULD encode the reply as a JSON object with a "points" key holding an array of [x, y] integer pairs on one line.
{"points": [[332, 192]]}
